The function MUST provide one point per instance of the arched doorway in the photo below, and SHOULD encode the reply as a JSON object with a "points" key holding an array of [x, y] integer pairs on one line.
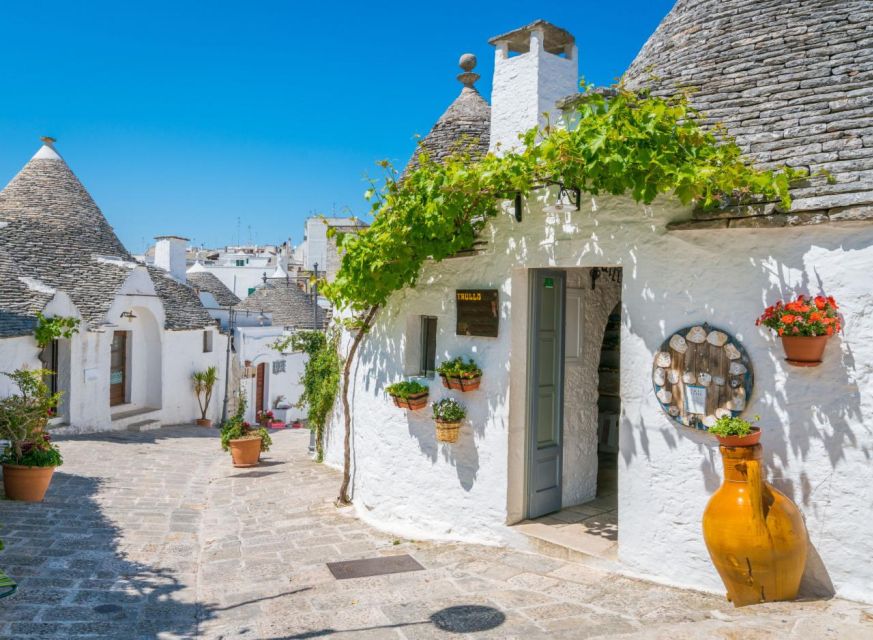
{"points": [[135, 364]]}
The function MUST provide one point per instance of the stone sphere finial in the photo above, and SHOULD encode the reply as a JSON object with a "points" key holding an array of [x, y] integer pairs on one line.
{"points": [[467, 62]]}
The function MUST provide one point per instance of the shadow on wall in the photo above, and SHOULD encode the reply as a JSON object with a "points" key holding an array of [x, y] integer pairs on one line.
{"points": [[810, 417], [65, 551], [381, 355]]}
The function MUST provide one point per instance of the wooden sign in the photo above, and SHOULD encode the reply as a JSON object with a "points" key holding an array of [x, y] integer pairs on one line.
{"points": [[477, 312]]}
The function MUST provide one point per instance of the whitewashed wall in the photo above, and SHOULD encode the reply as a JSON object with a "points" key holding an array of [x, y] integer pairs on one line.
{"points": [[184, 355], [16, 353], [817, 437]]}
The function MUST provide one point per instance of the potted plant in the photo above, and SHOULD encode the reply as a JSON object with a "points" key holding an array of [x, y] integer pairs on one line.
{"points": [[409, 394], [30, 457], [244, 442], [735, 432], [460, 375], [804, 325], [204, 383], [448, 415]]}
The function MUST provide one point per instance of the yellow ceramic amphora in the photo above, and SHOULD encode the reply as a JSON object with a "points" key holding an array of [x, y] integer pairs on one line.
{"points": [[755, 535]]}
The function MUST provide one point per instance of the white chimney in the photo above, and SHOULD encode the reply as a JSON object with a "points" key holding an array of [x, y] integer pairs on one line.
{"points": [[544, 69], [170, 255]]}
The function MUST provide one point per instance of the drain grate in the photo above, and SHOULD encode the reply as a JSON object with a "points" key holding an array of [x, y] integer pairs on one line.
{"points": [[373, 567]]}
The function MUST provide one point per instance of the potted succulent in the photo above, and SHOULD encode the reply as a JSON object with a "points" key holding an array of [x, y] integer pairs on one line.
{"points": [[30, 457], [448, 415], [460, 375], [736, 432], [204, 383], [804, 325], [409, 394], [244, 442]]}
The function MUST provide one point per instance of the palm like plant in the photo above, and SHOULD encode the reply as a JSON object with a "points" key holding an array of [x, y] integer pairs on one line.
{"points": [[204, 383]]}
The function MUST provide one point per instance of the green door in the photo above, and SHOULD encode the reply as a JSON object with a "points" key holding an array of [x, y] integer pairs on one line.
{"points": [[545, 391]]}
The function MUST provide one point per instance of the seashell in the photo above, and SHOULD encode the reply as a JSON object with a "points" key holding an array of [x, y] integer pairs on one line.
{"points": [[731, 351], [673, 410], [719, 380], [697, 335], [704, 379], [665, 396], [722, 413], [735, 382], [673, 376], [659, 377], [686, 420], [688, 378], [737, 369], [716, 338], [709, 420], [738, 401], [678, 344], [663, 359]]}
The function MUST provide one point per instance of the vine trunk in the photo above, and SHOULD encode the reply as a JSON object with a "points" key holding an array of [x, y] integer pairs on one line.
{"points": [[343, 497]]}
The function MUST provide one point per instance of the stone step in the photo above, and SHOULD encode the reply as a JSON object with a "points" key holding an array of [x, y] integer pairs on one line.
{"points": [[567, 543], [145, 425]]}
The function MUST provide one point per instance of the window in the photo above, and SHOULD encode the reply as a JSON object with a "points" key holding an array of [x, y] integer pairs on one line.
{"points": [[207, 341], [428, 346], [278, 366], [240, 263]]}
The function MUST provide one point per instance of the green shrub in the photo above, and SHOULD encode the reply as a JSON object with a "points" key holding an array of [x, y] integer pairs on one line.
{"points": [[237, 427], [405, 389], [457, 368], [731, 426], [448, 410]]}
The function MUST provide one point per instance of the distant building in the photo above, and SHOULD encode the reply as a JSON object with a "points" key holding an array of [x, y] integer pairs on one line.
{"points": [[318, 249]]}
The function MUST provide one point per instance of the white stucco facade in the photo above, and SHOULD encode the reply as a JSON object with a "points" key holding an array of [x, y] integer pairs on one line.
{"points": [[816, 433]]}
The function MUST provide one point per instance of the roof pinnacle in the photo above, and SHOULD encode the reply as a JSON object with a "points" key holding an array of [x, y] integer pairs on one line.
{"points": [[467, 64]]}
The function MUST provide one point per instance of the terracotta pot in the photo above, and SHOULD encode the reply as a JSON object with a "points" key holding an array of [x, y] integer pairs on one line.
{"points": [[741, 441], [27, 484], [445, 381], [804, 351], [755, 535], [413, 403], [245, 452], [447, 431], [464, 384], [202, 422]]}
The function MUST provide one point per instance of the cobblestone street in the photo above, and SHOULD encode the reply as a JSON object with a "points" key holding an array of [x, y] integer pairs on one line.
{"points": [[155, 535]]}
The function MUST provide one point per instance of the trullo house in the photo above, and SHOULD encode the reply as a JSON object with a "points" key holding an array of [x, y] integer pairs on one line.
{"points": [[587, 299], [142, 330]]}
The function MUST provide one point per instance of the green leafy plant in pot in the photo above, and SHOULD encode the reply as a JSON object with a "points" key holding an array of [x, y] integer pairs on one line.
{"points": [[204, 384], [448, 415], [409, 394], [460, 375], [244, 441], [30, 457], [736, 432]]}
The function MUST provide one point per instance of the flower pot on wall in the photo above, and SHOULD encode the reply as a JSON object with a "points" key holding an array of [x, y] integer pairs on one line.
{"points": [[413, 402], [27, 484], [804, 351], [754, 534], [245, 452], [462, 384], [447, 431]]}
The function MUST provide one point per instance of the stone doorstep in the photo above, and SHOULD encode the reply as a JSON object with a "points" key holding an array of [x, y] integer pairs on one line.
{"points": [[571, 542], [145, 425]]}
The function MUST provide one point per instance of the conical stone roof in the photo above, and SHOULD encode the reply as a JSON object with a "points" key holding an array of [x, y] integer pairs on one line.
{"points": [[465, 125], [791, 79]]}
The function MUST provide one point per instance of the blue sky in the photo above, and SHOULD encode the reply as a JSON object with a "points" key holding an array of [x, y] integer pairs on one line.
{"points": [[182, 117]]}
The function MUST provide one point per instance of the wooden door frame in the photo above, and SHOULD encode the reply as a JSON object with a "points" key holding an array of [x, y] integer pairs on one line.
{"points": [[125, 379], [260, 387]]}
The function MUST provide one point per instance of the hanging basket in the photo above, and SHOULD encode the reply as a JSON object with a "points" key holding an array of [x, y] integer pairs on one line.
{"points": [[462, 384], [447, 431], [804, 351], [413, 403]]}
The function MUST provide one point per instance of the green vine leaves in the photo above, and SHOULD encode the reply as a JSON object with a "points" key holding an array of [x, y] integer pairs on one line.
{"points": [[48, 329], [619, 142]]}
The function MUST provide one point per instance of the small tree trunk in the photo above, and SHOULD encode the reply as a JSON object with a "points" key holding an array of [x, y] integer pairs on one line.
{"points": [[343, 497]]}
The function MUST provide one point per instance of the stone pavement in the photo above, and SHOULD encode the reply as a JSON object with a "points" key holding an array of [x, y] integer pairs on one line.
{"points": [[155, 535]]}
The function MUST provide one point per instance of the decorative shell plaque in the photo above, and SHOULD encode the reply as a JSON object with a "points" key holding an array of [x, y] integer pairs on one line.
{"points": [[701, 374]]}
